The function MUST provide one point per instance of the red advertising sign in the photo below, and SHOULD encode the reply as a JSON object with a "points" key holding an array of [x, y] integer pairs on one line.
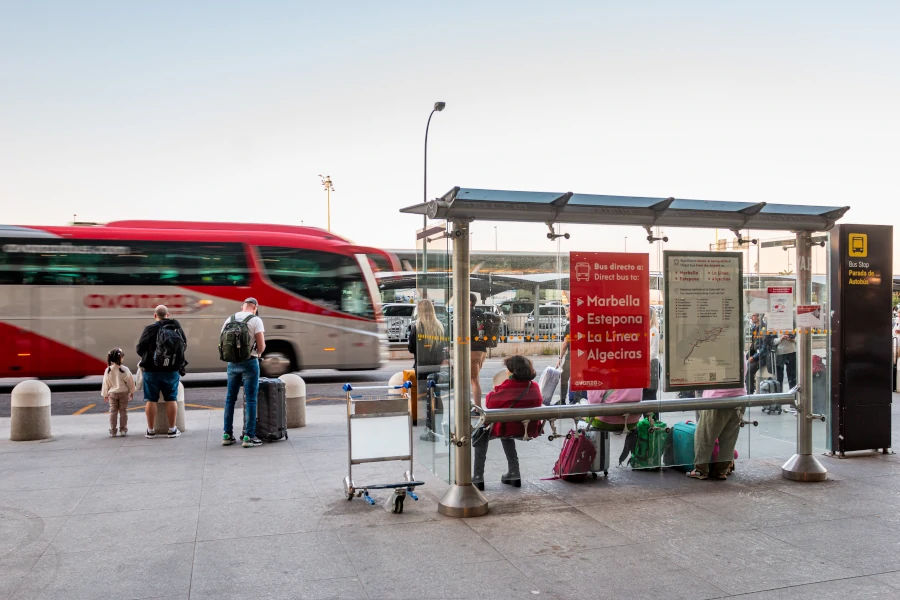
{"points": [[609, 317]]}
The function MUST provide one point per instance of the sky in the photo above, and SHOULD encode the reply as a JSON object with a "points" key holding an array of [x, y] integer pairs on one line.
{"points": [[229, 111]]}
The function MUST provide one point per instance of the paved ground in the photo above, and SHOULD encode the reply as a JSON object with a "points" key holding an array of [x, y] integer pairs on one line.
{"points": [[85, 516]]}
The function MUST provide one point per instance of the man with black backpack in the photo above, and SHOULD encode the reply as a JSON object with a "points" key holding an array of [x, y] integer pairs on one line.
{"points": [[162, 347], [241, 343]]}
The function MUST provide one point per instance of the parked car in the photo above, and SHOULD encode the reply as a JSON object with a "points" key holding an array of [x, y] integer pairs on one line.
{"points": [[397, 318], [516, 313], [554, 318], [493, 308]]}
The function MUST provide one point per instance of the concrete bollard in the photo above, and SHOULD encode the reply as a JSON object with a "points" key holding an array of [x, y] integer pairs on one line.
{"points": [[30, 412], [295, 397], [162, 425], [396, 379]]}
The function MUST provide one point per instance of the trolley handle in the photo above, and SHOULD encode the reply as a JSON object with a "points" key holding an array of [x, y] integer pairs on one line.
{"points": [[406, 385]]}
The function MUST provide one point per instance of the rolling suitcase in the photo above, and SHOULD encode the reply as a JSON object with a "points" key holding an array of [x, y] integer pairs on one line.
{"points": [[549, 380], [683, 446], [649, 446], [770, 386], [601, 447], [576, 459], [271, 410]]}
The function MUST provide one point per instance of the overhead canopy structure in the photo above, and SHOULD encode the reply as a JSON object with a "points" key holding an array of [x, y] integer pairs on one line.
{"points": [[495, 283], [568, 207]]}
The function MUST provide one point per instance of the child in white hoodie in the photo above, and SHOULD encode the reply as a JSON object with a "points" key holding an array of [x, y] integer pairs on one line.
{"points": [[118, 389]]}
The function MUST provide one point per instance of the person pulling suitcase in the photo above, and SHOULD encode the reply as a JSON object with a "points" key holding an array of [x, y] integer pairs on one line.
{"points": [[241, 342]]}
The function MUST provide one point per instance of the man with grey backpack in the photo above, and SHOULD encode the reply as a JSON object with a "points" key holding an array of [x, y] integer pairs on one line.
{"points": [[241, 343]]}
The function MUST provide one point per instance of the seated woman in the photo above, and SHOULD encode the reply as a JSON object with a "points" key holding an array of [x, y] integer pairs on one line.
{"points": [[723, 425], [614, 397], [519, 391]]}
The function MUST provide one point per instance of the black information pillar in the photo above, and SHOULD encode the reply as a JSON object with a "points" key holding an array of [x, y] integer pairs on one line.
{"points": [[861, 370]]}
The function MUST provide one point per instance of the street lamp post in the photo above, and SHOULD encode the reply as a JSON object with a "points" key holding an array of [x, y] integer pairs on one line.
{"points": [[495, 238], [326, 183], [438, 107]]}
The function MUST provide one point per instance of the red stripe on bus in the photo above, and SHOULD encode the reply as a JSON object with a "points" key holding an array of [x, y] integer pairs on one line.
{"points": [[32, 355]]}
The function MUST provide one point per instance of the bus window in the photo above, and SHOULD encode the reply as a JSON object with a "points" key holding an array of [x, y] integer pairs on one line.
{"points": [[122, 262], [331, 280]]}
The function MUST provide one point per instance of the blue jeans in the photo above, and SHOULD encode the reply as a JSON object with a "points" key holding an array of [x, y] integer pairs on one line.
{"points": [[163, 382], [246, 372]]}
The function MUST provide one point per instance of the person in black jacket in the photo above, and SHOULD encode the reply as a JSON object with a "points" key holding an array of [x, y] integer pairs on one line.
{"points": [[758, 354], [162, 347], [427, 343]]}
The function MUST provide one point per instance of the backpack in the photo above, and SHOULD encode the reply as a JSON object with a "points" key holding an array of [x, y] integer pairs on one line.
{"points": [[649, 446], [169, 351], [236, 342], [489, 328]]}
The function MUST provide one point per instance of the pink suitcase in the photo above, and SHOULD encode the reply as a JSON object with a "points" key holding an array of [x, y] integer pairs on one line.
{"points": [[576, 459]]}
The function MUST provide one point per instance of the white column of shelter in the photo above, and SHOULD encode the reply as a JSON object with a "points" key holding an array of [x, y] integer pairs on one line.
{"points": [[462, 499], [803, 466]]}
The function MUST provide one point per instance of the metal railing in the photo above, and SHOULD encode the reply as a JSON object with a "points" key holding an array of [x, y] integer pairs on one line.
{"points": [[576, 411]]}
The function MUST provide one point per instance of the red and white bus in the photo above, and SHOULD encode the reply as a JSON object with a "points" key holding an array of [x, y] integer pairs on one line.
{"points": [[70, 294]]}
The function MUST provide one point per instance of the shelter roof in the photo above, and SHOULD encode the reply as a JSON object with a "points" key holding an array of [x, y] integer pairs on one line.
{"points": [[569, 207]]}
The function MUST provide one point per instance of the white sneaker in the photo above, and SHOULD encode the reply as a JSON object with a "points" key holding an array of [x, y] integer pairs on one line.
{"points": [[174, 433], [123, 432], [112, 433]]}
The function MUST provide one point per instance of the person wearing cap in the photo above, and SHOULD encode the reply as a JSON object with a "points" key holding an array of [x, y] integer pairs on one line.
{"points": [[245, 373]]}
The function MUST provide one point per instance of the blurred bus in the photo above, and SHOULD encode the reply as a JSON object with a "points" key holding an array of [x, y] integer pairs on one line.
{"points": [[70, 294]]}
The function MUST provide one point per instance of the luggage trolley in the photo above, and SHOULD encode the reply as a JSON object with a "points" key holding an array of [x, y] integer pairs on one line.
{"points": [[379, 429]]}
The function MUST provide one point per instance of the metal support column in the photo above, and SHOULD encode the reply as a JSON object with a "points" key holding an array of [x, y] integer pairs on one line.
{"points": [[462, 499], [803, 466], [537, 312]]}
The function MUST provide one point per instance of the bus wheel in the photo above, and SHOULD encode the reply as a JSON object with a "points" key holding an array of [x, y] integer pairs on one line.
{"points": [[276, 362]]}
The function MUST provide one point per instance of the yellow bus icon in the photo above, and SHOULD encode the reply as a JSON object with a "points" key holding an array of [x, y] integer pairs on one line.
{"points": [[859, 245]]}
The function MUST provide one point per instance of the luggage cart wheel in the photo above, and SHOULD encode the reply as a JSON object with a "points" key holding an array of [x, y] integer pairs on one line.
{"points": [[397, 505], [349, 497], [594, 475], [606, 473]]}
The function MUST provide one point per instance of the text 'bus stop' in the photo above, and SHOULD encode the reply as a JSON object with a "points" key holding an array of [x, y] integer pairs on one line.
{"points": [[462, 206]]}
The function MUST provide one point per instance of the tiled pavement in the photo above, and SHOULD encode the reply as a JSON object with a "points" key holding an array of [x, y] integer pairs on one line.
{"points": [[86, 516]]}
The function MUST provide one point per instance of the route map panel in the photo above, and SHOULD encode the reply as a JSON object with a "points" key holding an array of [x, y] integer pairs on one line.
{"points": [[704, 320]]}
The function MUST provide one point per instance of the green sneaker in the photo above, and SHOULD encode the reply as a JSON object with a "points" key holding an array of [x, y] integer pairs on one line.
{"points": [[228, 439], [250, 442]]}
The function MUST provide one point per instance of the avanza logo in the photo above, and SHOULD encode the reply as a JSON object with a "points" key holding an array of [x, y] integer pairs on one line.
{"points": [[176, 303]]}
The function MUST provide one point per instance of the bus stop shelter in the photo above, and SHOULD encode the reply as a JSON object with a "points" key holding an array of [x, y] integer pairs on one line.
{"points": [[461, 206]]}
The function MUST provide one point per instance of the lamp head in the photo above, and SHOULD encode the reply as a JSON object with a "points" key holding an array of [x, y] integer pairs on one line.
{"points": [[439, 106]]}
